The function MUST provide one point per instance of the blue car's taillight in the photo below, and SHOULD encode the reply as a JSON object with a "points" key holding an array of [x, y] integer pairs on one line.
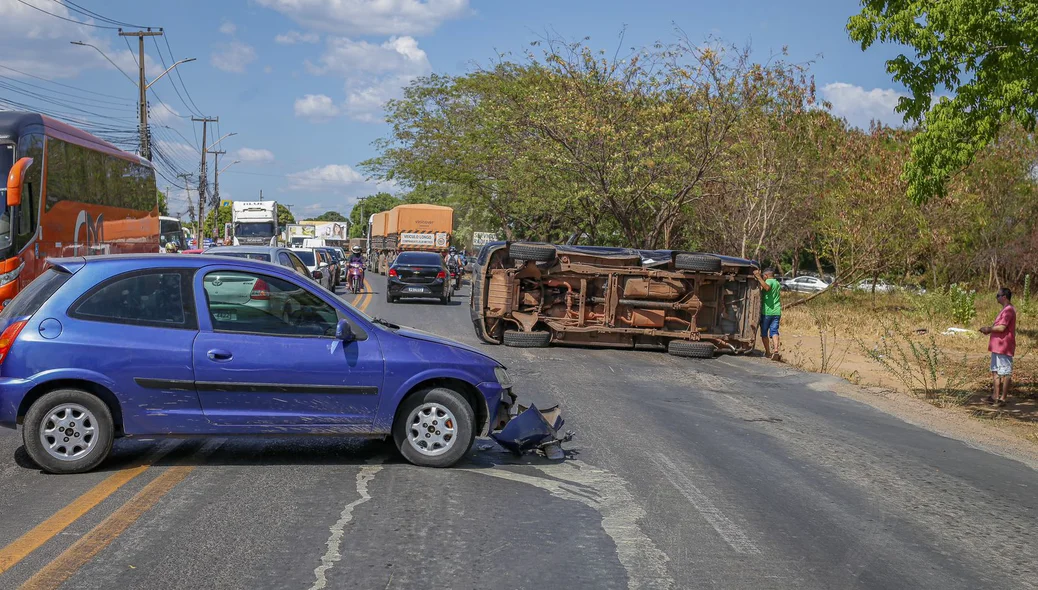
{"points": [[8, 338]]}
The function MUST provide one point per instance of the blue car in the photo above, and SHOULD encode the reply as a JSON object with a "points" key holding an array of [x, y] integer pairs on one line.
{"points": [[152, 345]]}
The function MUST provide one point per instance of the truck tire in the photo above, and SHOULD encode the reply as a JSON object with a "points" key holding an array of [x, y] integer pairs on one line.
{"points": [[700, 262], [517, 339], [686, 348], [531, 252]]}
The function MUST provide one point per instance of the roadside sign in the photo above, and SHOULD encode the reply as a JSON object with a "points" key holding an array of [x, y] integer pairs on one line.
{"points": [[482, 238]]}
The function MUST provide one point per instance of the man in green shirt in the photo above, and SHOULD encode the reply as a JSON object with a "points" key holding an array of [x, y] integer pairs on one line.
{"points": [[770, 312]]}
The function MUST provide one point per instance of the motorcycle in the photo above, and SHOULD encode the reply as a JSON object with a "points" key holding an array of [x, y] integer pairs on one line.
{"points": [[455, 275], [355, 277]]}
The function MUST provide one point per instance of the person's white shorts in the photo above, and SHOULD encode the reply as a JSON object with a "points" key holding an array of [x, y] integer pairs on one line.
{"points": [[1001, 364]]}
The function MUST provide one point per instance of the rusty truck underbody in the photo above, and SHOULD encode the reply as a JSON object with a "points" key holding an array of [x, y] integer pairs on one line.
{"points": [[532, 295]]}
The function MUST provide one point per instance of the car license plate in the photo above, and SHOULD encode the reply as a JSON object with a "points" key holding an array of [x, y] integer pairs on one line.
{"points": [[416, 289], [226, 316]]}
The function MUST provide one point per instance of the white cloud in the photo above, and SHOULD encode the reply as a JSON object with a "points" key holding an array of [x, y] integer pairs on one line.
{"points": [[228, 28], [333, 177], [860, 106], [34, 42], [371, 17], [160, 113], [233, 56], [254, 155], [373, 73], [177, 150], [293, 37], [316, 107]]}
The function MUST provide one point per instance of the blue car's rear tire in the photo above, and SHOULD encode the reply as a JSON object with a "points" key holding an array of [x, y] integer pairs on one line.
{"points": [[423, 422], [68, 431]]}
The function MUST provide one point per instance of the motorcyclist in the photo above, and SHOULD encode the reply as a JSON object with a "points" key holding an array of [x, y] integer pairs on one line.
{"points": [[356, 256], [455, 264]]}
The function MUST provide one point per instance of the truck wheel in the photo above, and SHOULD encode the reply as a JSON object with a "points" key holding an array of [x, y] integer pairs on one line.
{"points": [[686, 348], [68, 431], [531, 252], [700, 262], [517, 339], [434, 427]]}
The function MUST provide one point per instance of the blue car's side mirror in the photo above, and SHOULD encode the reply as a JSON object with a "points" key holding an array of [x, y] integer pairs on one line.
{"points": [[344, 332]]}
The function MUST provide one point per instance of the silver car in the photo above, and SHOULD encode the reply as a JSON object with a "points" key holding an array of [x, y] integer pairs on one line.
{"points": [[318, 266], [806, 285]]}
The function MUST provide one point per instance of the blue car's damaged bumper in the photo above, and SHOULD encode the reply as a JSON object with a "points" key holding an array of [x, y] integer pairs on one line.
{"points": [[531, 429]]}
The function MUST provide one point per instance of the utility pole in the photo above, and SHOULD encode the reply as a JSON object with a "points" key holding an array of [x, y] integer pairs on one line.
{"points": [[216, 178], [261, 195], [202, 181], [142, 88]]}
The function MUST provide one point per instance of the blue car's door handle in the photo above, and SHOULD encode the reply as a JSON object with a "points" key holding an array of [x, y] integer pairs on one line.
{"points": [[219, 355]]}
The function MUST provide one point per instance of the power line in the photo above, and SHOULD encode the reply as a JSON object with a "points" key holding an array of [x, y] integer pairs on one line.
{"points": [[63, 18], [97, 102], [162, 58], [58, 83], [87, 12], [177, 72]]}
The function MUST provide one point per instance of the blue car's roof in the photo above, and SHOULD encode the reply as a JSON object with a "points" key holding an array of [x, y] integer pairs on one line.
{"points": [[135, 261]]}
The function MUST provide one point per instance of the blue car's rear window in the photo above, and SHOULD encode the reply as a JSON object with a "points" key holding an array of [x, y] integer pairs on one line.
{"points": [[36, 294]]}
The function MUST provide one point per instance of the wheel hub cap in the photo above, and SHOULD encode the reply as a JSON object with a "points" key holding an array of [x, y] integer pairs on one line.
{"points": [[431, 429], [69, 432]]}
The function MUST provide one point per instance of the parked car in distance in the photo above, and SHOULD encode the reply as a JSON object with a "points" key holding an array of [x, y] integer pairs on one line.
{"points": [[418, 274], [806, 284], [319, 270], [881, 286], [273, 254], [532, 295], [144, 346]]}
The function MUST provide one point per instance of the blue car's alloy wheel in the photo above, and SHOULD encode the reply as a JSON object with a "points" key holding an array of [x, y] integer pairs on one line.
{"points": [[68, 431], [434, 427]]}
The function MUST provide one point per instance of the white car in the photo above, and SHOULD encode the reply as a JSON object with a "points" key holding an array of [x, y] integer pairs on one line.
{"points": [[319, 270], [805, 285], [881, 286]]}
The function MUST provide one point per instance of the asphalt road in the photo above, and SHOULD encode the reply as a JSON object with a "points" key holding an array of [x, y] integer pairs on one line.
{"points": [[731, 473]]}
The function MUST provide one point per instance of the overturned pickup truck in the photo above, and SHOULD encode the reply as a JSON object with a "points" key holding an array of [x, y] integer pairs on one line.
{"points": [[532, 295]]}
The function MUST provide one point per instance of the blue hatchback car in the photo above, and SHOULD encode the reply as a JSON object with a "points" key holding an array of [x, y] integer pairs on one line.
{"points": [[152, 345]]}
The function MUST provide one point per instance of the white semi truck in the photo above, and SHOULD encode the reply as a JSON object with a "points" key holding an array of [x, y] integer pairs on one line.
{"points": [[255, 223]]}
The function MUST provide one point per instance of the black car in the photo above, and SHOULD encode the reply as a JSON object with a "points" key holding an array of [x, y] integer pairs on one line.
{"points": [[418, 274]]}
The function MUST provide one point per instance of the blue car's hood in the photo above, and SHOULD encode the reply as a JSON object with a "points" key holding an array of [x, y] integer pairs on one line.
{"points": [[427, 337]]}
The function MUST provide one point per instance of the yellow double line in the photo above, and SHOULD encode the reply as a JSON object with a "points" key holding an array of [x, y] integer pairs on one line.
{"points": [[54, 574]]}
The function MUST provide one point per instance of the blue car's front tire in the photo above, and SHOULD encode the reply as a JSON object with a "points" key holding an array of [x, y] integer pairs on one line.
{"points": [[434, 427]]}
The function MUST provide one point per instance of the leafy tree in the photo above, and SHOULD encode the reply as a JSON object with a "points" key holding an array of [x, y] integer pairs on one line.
{"points": [[215, 219], [163, 206], [983, 51], [285, 216], [330, 216], [367, 206]]}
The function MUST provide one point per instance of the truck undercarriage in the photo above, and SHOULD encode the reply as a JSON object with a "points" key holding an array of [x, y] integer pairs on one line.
{"points": [[535, 294]]}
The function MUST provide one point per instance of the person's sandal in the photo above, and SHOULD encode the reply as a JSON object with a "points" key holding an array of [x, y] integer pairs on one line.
{"points": [[1000, 403], [989, 400]]}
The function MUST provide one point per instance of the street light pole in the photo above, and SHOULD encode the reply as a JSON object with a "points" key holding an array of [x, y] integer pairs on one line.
{"points": [[142, 84]]}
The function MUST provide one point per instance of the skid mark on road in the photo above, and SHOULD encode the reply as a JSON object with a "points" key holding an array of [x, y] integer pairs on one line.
{"points": [[645, 564], [729, 531], [364, 477]]}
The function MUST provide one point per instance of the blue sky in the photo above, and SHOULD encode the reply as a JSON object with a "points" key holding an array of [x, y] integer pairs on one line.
{"points": [[301, 81]]}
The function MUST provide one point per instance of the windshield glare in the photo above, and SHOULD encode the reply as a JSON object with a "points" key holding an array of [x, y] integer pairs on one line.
{"points": [[421, 258], [248, 255], [254, 230]]}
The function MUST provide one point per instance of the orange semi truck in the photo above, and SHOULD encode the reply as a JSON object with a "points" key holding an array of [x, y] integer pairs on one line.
{"points": [[405, 228]]}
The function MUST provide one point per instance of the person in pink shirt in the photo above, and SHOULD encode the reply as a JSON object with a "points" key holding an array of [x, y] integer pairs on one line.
{"points": [[1002, 345]]}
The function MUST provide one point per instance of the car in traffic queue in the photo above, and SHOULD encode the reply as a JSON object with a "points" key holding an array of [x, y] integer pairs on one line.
{"points": [[806, 284], [338, 264], [273, 254], [421, 275], [317, 265], [145, 346]]}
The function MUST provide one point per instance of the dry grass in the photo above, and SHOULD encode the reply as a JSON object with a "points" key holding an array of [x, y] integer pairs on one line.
{"points": [[835, 332]]}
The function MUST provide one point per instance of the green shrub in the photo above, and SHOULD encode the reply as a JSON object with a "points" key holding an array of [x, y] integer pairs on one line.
{"points": [[964, 304], [952, 302], [1027, 289], [918, 362]]}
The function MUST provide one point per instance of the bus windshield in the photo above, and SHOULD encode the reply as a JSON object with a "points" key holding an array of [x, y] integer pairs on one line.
{"points": [[258, 229], [6, 162]]}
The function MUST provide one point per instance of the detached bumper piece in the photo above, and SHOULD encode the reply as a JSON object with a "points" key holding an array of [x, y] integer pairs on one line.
{"points": [[535, 430]]}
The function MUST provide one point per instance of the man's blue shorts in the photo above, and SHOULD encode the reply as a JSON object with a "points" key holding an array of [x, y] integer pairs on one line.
{"points": [[769, 325]]}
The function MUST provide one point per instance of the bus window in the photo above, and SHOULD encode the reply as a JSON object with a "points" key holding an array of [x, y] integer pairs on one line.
{"points": [[29, 211], [6, 162]]}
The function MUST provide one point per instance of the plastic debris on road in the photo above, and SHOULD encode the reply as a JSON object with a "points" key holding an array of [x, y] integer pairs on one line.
{"points": [[533, 430]]}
